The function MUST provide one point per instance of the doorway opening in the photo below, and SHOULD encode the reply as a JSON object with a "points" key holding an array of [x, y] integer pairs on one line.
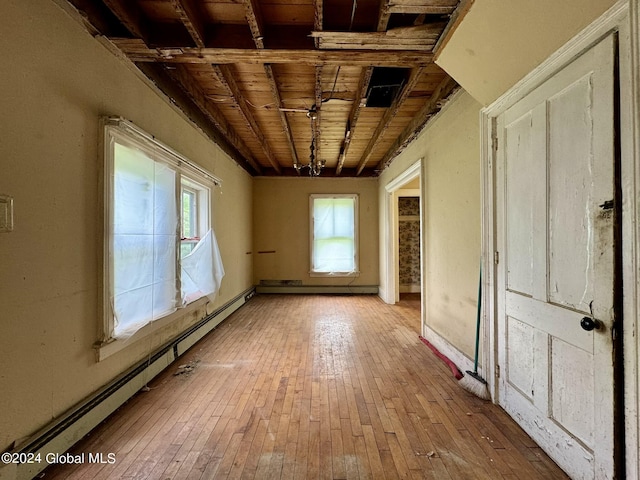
{"points": [[404, 257]]}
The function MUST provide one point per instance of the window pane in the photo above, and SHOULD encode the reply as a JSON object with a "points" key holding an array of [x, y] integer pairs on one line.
{"points": [[189, 211], [334, 235]]}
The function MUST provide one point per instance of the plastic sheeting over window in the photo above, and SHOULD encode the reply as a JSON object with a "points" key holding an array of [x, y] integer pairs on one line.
{"points": [[144, 233], [202, 270], [334, 235], [146, 277]]}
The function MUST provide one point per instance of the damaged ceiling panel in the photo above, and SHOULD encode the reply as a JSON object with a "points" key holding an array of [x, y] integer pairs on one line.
{"points": [[279, 82]]}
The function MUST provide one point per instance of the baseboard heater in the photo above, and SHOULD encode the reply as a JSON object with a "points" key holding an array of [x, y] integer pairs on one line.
{"points": [[290, 287], [61, 435]]}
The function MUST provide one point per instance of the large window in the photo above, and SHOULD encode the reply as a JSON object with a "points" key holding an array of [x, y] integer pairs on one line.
{"points": [[160, 253], [334, 234]]}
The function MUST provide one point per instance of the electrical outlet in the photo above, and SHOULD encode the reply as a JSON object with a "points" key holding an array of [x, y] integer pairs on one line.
{"points": [[6, 213]]}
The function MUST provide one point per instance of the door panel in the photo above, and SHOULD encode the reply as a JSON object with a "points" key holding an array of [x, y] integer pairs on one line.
{"points": [[555, 181], [570, 407], [570, 132], [520, 205]]}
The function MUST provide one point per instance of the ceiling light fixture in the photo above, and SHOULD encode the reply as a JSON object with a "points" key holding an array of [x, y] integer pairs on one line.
{"points": [[315, 166]]}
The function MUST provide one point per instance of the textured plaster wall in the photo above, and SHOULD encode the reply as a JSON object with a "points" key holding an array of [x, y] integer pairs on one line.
{"points": [[282, 232], [449, 147], [56, 83]]}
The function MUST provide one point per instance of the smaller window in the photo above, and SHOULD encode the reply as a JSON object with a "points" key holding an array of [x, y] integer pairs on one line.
{"points": [[194, 221], [334, 234]]}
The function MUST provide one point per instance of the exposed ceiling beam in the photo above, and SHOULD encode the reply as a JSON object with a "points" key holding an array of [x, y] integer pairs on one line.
{"points": [[318, 18], [194, 91], [418, 37], [191, 19], [363, 85], [226, 78], [318, 102], [413, 129], [383, 16], [430, 7], [254, 18], [420, 9], [275, 92], [137, 51], [387, 117]]}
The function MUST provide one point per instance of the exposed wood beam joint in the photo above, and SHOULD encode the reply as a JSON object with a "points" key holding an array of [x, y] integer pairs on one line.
{"points": [[383, 16]]}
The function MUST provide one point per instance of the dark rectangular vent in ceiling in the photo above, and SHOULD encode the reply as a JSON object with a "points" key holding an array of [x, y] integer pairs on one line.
{"points": [[385, 85]]}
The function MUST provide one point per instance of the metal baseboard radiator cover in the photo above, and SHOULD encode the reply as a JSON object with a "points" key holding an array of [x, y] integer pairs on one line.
{"points": [[317, 289], [61, 435]]}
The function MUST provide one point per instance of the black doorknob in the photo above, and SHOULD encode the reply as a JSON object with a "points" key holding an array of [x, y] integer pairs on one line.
{"points": [[588, 324]]}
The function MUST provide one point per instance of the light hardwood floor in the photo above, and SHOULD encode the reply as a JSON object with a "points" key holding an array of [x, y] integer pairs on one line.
{"points": [[334, 387]]}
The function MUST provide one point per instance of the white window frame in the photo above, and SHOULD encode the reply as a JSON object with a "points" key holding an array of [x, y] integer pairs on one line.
{"points": [[188, 175], [356, 226], [202, 195]]}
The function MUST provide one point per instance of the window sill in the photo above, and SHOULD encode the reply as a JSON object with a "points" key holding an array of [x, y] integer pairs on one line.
{"points": [[334, 274], [109, 348]]}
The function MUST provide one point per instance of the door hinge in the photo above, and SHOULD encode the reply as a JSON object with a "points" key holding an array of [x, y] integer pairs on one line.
{"points": [[497, 371], [496, 258], [494, 143]]}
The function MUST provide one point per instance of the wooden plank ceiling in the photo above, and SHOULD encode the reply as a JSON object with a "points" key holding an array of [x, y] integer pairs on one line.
{"points": [[348, 83]]}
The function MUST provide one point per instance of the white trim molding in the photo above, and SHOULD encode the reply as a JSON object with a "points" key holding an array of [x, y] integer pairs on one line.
{"points": [[390, 286]]}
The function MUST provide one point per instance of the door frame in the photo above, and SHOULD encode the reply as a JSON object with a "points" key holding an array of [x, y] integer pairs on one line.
{"points": [[391, 292], [623, 18]]}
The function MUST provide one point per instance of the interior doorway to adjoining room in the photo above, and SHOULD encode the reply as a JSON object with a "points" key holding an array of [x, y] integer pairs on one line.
{"points": [[404, 259]]}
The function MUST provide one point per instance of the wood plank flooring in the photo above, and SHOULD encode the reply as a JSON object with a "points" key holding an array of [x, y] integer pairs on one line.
{"points": [[305, 387]]}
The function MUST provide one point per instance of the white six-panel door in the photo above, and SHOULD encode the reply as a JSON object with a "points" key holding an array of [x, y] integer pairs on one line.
{"points": [[555, 234]]}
